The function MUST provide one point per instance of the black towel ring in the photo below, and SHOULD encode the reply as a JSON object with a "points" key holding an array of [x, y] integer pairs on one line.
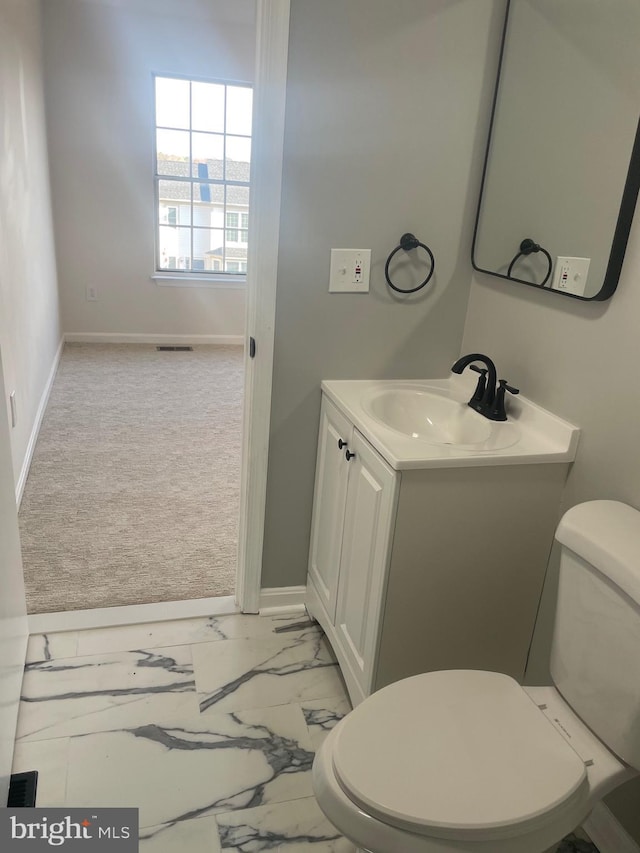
{"points": [[529, 247], [408, 242]]}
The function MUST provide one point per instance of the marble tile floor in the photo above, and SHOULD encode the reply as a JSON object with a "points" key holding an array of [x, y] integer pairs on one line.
{"points": [[208, 726]]}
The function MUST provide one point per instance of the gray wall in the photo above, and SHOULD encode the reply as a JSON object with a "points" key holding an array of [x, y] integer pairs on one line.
{"points": [[386, 119], [29, 314], [579, 360], [99, 59]]}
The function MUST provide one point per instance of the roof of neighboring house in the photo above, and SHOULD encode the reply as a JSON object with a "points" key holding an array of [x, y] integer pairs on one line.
{"points": [[181, 190], [230, 254]]}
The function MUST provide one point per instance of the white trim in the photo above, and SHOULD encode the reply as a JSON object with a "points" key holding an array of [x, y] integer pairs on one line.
{"points": [[272, 44], [607, 833], [133, 614], [282, 599], [156, 338], [37, 423], [216, 282]]}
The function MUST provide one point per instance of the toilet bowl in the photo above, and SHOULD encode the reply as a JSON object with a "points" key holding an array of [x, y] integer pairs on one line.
{"points": [[466, 760]]}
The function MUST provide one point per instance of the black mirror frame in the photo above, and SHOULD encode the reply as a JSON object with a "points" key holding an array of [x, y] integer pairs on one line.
{"points": [[625, 214]]}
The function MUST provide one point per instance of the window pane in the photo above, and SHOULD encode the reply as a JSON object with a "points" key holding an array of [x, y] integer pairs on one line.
{"points": [[172, 102], [174, 203], [235, 241], [208, 248], [239, 101], [207, 107], [209, 194], [238, 158], [172, 148], [235, 265], [208, 155], [202, 213], [238, 196], [233, 233], [174, 248]]}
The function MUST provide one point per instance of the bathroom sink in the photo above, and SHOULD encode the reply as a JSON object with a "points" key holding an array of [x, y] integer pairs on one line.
{"points": [[426, 423], [435, 417]]}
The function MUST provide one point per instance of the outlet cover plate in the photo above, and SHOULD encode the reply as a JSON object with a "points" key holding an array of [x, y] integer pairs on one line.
{"points": [[349, 271], [570, 275]]}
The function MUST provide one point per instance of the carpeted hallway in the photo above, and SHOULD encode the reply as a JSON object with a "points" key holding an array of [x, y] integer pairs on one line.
{"points": [[133, 492]]}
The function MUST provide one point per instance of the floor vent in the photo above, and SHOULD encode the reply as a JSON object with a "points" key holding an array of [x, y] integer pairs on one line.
{"points": [[174, 349], [22, 790]]}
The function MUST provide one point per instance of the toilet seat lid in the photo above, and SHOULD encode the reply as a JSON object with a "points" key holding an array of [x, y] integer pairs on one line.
{"points": [[457, 754]]}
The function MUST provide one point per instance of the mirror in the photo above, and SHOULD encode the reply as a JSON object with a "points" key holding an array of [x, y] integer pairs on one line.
{"points": [[562, 167]]}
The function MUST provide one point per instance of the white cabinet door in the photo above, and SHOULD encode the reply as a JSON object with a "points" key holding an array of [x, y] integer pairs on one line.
{"points": [[368, 524], [332, 472]]}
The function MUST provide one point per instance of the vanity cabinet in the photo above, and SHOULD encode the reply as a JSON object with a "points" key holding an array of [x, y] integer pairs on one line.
{"points": [[422, 569], [352, 524]]}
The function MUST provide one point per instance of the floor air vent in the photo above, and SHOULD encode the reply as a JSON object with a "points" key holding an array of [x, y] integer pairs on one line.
{"points": [[22, 790], [174, 349]]}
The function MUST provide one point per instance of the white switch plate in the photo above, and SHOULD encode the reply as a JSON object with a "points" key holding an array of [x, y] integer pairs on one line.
{"points": [[570, 275], [349, 271]]}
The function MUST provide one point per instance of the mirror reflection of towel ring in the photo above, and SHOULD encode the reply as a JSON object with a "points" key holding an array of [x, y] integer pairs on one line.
{"points": [[408, 242], [529, 247]]}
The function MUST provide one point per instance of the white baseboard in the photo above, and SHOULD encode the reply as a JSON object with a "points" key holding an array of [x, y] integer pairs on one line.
{"points": [[37, 423], [607, 833], [158, 338], [133, 614], [281, 599]]}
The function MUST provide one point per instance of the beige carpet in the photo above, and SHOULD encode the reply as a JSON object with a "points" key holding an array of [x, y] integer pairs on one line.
{"points": [[133, 493]]}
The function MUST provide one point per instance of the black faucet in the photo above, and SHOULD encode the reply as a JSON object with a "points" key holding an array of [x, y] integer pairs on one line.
{"points": [[486, 399]]}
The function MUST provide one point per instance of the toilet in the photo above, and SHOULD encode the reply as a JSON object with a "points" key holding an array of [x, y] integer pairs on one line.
{"points": [[466, 760]]}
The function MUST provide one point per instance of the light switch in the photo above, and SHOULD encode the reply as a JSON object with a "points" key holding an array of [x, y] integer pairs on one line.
{"points": [[349, 271], [570, 275]]}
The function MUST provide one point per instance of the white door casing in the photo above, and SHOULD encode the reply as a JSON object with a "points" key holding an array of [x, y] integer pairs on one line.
{"points": [[272, 42], [13, 610]]}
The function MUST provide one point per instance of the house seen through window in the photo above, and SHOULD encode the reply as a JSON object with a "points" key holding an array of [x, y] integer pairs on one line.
{"points": [[203, 157]]}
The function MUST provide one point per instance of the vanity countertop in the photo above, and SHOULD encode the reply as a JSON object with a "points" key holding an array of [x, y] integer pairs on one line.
{"points": [[531, 434]]}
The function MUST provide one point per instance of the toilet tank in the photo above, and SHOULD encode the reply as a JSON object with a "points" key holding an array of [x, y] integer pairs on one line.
{"points": [[595, 656]]}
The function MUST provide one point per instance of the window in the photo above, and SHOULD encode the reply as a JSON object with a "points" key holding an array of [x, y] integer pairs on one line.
{"points": [[236, 227], [203, 158]]}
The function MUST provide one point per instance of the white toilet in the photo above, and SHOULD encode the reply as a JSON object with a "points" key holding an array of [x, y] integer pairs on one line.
{"points": [[465, 760]]}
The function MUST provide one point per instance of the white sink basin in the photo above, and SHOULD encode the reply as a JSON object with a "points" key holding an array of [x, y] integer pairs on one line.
{"points": [[434, 417], [427, 423]]}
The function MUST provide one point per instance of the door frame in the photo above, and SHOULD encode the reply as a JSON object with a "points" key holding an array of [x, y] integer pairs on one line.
{"points": [[272, 44], [14, 632]]}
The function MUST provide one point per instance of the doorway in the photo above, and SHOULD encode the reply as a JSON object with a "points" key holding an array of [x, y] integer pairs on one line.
{"points": [[259, 313]]}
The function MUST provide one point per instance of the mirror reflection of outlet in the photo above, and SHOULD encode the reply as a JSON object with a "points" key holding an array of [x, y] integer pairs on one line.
{"points": [[570, 275], [92, 293]]}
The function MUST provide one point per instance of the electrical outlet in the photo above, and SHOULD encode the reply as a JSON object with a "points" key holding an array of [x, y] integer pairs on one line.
{"points": [[349, 271], [570, 275], [92, 293]]}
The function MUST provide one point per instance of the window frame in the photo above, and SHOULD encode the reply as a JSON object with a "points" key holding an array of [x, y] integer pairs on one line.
{"points": [[199, 276]]}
